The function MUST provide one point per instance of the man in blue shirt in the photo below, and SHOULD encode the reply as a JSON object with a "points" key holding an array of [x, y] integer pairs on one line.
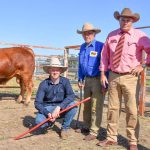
{"points": [[89, 79], [55, 93]]}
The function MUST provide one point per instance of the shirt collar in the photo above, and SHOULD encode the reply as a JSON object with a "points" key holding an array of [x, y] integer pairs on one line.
{"points": [[130, 32], [59, 80], [91, 44]]}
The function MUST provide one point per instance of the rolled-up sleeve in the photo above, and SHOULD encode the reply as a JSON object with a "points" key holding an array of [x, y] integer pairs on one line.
{"points": [[104, 57], [144, 42]]}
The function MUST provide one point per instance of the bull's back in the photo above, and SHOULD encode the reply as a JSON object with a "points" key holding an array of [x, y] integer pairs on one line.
{"points": [[15, 61]]}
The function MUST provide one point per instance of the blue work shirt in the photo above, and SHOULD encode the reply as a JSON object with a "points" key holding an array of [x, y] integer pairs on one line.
{"points": [[60, 94], [89, 60]]}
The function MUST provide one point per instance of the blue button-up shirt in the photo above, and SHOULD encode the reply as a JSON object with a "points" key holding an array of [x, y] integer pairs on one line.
{"points": [[60, 94], [89, 60]]}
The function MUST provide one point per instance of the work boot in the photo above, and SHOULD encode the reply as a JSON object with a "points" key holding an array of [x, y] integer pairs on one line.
{"points": [[41, 131], [50, 125], [82, 130], [89, 137], [106, 143], [64, 134]]}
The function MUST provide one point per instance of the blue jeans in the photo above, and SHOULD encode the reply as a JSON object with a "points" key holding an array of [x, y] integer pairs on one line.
{"points": [[67, 117]]}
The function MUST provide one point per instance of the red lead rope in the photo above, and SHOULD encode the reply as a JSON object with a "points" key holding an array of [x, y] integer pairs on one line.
{"points": [[48, 119]]}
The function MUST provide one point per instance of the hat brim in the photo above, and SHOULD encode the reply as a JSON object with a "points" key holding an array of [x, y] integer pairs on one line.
{"points": [[46, 68], [135, 16], [96, 31]]}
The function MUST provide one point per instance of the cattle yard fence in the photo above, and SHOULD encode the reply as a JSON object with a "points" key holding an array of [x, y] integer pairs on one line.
{"points": [[71, 73]]}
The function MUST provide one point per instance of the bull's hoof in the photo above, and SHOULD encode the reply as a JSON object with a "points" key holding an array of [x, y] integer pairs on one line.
{"points": [[26, 103], [19, 101]]}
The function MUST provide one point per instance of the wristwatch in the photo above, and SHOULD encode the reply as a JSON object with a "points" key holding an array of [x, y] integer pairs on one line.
{"points": [[144, 66]]}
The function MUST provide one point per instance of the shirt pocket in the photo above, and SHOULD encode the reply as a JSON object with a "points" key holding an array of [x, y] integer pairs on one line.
{"points": [[60, 93], [93, 60], [132, 47], [112, 45]]}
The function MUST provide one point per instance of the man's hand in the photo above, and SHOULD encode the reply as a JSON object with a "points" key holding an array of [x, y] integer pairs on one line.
{"points": [[137, 70], [51, 118], [55, 113], [81, 84], [103, 80]]}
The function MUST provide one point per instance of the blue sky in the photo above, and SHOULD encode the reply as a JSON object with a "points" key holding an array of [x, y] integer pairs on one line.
{"points": [[54, 22]]}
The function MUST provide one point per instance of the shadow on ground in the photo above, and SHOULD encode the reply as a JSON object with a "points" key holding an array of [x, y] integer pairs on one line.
{"points": [[8, 96], [29, 122]]}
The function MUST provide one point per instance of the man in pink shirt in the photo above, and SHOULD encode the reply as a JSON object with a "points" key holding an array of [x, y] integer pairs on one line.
{"points": [[122, 55]]}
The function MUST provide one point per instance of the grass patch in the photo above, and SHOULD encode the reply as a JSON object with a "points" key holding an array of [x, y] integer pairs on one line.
{"points": [[2, 138], [148, 82]]}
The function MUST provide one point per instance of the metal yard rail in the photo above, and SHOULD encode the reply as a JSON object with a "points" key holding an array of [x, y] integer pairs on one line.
{"points": [[65, 57]]}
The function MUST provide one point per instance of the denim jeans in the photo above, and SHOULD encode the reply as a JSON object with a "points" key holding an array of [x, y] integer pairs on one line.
{"points": [[67, 117]]}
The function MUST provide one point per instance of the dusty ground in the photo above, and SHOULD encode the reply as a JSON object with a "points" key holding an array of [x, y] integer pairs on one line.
{"points": [[16, 119]]}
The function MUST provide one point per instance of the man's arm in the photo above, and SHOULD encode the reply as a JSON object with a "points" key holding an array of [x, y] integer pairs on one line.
{"points": [[105, 54], [144, 44], [80, 72], [69, 94], [39, 99]]}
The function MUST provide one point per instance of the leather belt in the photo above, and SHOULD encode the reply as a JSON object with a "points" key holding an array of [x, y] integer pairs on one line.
{"points": [[125, 73]]}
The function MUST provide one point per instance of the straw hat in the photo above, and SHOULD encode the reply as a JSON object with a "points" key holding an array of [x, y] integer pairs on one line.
{"points": [[88, 27], [126, 12], [54, 62]]}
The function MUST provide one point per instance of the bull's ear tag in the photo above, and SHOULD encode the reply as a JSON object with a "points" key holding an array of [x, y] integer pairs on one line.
{"points": [[93, 53]]}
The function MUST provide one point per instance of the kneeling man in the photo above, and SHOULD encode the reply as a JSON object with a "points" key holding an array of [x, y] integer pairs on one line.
{"points": [[55, 93]]}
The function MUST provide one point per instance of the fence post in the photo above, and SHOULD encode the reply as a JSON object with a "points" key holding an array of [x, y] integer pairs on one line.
{"points": [[142, 93], [142, 88], [66, 54]]}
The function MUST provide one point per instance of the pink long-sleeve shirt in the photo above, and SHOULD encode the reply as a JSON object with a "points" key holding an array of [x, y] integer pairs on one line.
{"points": [[135, 42]]}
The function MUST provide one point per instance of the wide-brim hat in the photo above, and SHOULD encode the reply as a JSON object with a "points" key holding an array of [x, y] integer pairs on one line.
{"points": [[126, 12], [88, 27], [54, 63]]}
